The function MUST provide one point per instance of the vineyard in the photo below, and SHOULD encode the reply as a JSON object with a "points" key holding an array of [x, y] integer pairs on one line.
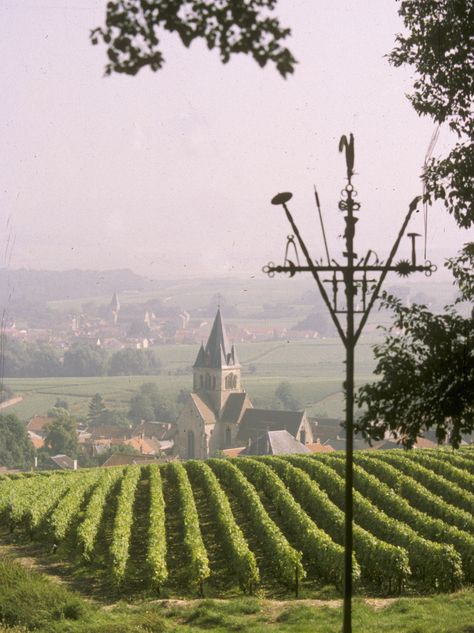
{"points": [[271, 523]]}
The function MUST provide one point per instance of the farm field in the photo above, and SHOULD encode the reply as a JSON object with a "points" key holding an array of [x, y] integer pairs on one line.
{"points": [[269, 526], [314, 369]]}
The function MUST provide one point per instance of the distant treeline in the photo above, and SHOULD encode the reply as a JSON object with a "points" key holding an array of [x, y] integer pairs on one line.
{"points": [[40, 360]]}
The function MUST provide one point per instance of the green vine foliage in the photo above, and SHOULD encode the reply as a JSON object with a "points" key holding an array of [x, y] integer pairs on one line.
{"points": [[132, 28], [404, 500], [435, 565], [89, 527], [241, 560], [324, 556], [444, 489], [381, 563], [70, 504], [156, 547], [283, 558], [123, 522], [197, 566]]}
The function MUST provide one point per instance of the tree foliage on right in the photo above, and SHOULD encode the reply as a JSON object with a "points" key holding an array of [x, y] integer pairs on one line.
{"points": [[426, 363]]}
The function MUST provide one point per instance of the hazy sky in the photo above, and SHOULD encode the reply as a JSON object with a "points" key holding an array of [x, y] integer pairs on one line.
{"points": [[172, 173]]}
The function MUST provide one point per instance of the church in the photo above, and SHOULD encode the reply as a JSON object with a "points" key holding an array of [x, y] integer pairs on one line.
{"points": [[218, 413]]}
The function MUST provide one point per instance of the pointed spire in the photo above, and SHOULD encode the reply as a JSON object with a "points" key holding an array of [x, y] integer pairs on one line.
{"points": [[217, 353], [201, 357], [115, 303]]}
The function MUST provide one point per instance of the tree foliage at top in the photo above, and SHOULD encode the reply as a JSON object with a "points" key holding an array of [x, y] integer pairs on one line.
{"points": [[439, 45], [132, 27], [426, 362]]}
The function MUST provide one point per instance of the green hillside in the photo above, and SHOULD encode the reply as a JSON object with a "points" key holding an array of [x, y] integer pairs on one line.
{"points": [[268, 524]]}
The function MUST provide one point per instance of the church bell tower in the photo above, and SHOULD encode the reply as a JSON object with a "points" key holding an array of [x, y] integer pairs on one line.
{"points": [[216, 372]]}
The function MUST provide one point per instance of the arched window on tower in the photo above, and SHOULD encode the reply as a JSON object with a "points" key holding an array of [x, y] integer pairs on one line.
{"points": [[234, 382], [191, 445], [213, 382], [228, 438], [228, 381], [201, 381], [208, 381]]}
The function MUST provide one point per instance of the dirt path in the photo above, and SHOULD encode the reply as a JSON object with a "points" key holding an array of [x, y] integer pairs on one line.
{"points": [[10, 402]]}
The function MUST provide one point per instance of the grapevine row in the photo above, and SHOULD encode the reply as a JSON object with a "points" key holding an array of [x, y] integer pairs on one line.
{"points": [[434, 483], [455, 475], [380, 562], [399, 508], [123, 522], [417, 495], [89, 528], [438, 566], [241, 559], [284, 559], [197, 567], [70, 504], [31, 499], [156, 546], [458, 459], [325, 557]]}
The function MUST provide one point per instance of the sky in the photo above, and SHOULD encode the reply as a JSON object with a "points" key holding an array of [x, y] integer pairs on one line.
{"points": [[171, 173]]}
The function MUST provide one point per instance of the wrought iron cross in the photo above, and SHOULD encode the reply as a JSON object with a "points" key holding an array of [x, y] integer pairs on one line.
{"points": [[363, 276]]}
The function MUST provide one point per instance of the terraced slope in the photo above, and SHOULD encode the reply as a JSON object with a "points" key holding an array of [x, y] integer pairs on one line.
{"points": [[257, 522]]}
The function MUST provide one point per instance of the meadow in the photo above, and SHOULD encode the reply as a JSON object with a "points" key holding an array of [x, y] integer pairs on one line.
{"points": [[34, 601], [314, 368]]}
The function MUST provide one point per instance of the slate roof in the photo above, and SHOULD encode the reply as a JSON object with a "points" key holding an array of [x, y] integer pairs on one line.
{"points": [[275, 443], [233, 407], [155, 430], [64, 461], [203, 408], [218, 353], [105, 431], [255, 421], [122, 459]]}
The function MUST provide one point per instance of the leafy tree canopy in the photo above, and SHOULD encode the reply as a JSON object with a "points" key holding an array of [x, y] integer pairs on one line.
{"points": [[286, 395], [61, 437], [427, 377], [16, 449], [96, 408], [426, 362], [132, 28], [438, 44]]}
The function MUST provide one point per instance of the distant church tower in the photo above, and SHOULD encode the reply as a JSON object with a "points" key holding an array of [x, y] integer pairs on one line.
{"points": [[114, 308], [209, 420], [216, 372]]}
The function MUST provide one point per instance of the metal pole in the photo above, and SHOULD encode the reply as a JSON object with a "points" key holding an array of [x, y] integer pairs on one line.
{"points": [[349, 389]]}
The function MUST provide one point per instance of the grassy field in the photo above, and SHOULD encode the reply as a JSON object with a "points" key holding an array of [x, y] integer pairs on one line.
{"points": [[314, 368], [30, 601]]}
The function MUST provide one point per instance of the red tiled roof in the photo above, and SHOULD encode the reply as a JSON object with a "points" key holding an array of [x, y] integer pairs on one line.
{"points": [[38, 423], [317, 447], [233, 452]]}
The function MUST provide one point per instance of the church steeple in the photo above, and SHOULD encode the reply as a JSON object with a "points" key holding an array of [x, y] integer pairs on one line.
{"points": [[217, 369], [218, 353]]}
